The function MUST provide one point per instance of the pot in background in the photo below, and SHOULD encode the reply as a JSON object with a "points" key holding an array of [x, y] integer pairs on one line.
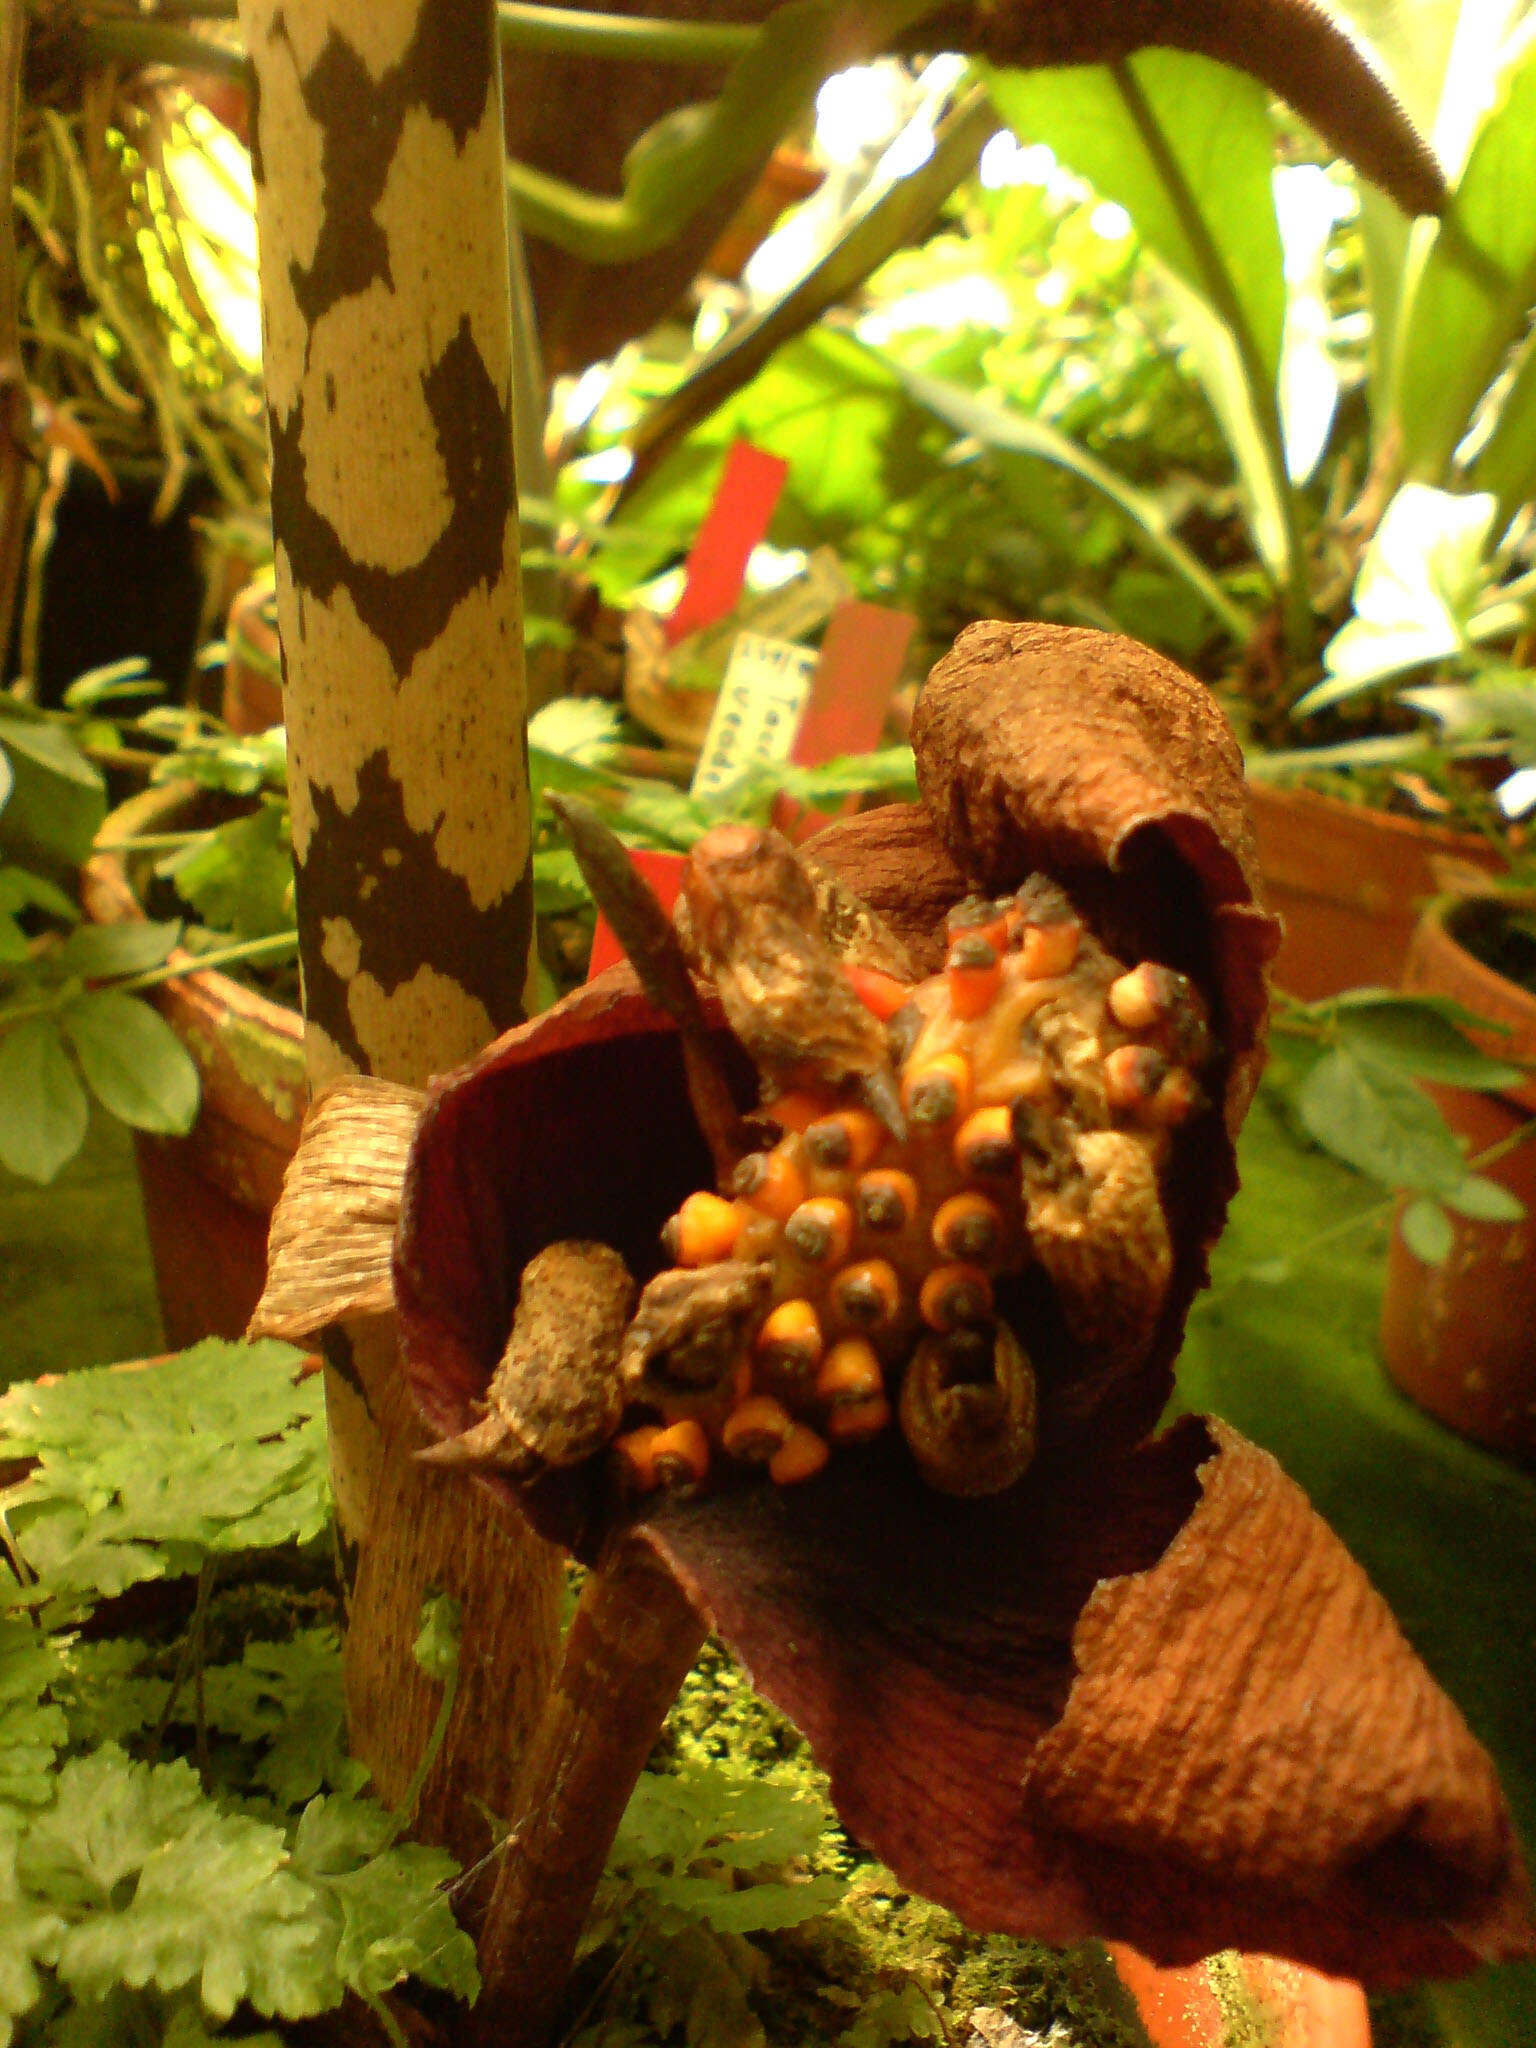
{"points": [[208, 1197], [253, 660], [1350, 882], [1460, 1338]]}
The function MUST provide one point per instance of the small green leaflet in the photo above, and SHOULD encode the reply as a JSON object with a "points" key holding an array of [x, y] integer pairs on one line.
{"points": [[1427, 1231], [286, 1696], [239, 877], [891, 2016], [31, 1731], [43, 1110], [732, 1822], [137, 1068], [143, 1474], [581, 729], [29, 1934], [1418, 1035], [436, 1648], [100, 952], [1378, 1122]]}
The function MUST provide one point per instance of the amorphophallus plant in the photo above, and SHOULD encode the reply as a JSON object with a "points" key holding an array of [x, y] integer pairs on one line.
{"points": [[830, 1301]]}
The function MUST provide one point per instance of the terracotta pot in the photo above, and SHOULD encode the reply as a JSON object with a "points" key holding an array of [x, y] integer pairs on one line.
{"points": [[1241, 1998], [1350, 883], [208, 1197], [1460, 1338], [253, 664]]}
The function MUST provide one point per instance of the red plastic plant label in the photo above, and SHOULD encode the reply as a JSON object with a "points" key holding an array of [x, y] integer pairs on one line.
{"points": [[736, 521]]}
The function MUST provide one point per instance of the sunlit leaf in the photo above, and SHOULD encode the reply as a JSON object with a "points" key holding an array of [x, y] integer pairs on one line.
{"points": [[1418, 588], [1477, 287]]}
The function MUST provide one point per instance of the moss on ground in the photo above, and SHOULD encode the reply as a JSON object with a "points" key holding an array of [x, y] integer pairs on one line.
{"points": [[881, 1967]]}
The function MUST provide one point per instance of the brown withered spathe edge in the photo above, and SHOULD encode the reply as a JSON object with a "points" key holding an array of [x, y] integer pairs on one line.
{"points": [[1156, 1700], [333, 1230]]}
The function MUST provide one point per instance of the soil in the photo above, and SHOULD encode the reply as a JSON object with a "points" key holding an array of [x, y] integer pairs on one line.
{"points": [[1502, 938]]}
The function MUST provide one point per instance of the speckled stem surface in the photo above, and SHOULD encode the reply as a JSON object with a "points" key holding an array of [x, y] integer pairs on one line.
{"points": [[377, 150]]}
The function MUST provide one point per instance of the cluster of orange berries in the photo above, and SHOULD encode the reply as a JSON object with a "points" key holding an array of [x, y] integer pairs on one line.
{"points": [[876, 1244]]}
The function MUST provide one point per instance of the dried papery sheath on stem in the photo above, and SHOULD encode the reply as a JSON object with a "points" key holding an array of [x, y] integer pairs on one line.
{"points": [[887, 1401]]}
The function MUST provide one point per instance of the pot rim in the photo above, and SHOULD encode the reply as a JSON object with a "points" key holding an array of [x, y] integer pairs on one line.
{"points": [[1480, 988], [108, 897]]}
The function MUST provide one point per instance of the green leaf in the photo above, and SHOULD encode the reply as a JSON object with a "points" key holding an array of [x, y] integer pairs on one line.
{"points": [[1008, 430], [391, 1917], [127, 678], [1484, 1200], [1379, 1123], [100, 952], [1196, 185], [43, 1110], [21, 890], [557, 882], [239, 876], [102, 1694], [137, 1067], [1413, 1035], [29, 1934], [1417, 592], [1477, 287], [583, 729], [31, 1730], [287, 1697], [1506, 463], [161, 1888], [142, 1474], [890, 2016], [57, 799], [1427, 1231]]}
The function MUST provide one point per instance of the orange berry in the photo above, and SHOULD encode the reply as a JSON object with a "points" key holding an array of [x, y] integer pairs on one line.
{"points": [[792, 1112], [881, 993], [770, 1182], [756, 1429], [680, 1455], [867, 1295], [954, 1295], [850, 1372], [975, 917], [1048, 950], [845, 1142], [984, 1143], [974, 975], [1132, 1076], [938, 1092], [856, 1420], [968, 1226], [704, 1230], [636, 1451], [886, 1200], [820, 1230], [801, 1456], [790, 1339]]}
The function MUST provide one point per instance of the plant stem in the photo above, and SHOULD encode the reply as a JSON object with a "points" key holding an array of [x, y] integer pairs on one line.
{"points": [[632, 1643], [158, 42], [577, 32], [273, 947], [559, 31]]}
